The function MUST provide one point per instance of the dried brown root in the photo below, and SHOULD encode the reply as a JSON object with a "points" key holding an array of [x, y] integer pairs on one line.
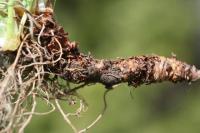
{"points": [[46, 55], [135, 70]]}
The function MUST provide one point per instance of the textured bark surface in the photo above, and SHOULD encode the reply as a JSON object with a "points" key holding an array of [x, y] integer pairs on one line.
{"points": [[135, 70]]}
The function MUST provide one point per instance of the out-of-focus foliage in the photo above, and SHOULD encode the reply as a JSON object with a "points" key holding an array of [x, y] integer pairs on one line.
{"points": [[122, 28]]}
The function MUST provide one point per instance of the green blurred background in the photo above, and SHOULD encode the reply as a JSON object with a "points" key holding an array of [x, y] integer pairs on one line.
{"points": [[123, 28]]}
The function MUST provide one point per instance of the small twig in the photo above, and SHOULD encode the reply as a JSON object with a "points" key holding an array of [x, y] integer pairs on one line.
{"points": [[99, 116], [65, 117], [21, 130], [40, 113], [41, 31]]}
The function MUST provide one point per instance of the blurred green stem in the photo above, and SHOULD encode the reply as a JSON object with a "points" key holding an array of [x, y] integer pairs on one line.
{"points": [[11, 21]]}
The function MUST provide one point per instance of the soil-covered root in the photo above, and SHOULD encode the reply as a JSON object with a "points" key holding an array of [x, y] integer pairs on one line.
{"points": [[46, 56]]}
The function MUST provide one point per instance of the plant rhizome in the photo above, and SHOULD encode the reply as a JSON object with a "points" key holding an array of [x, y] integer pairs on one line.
{"points": [[45, 54]]}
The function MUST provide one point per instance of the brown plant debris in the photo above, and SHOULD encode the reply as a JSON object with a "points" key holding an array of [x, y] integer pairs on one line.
{"points": [[46, 54]]}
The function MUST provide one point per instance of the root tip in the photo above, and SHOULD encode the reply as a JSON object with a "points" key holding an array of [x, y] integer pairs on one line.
{"points": [[195, 75]]}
